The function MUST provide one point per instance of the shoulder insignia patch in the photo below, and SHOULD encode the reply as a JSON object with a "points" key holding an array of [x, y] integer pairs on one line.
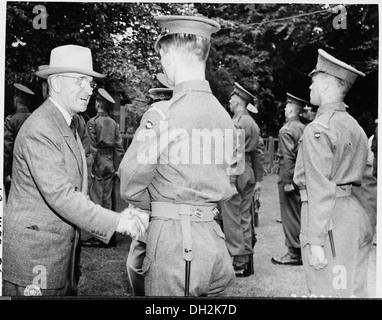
{"points": [[317, 136]]}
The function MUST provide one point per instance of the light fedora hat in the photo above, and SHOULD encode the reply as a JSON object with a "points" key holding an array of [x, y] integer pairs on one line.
{"points": [[69, 58]]}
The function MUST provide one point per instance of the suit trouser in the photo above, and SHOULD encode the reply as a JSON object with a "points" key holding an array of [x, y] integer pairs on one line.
{"points": [[134, 265], [346, 275], [290, 208], [211, 274]]}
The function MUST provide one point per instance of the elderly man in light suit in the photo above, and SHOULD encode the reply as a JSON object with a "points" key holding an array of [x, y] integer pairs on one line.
{"points": [[47, 204]]}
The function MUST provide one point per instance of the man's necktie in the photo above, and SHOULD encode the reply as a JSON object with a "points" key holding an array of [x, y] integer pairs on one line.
{"points": [[73, 128]]}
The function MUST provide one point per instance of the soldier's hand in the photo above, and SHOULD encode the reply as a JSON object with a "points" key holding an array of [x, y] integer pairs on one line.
{"points": [[316, 257], [288, 187], [143, 216]]}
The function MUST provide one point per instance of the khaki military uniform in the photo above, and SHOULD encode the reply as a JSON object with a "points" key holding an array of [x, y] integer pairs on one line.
{"points": [[107, 150], [290, 204], [134, 264], [153, 177], [236, 214], [367, 192], [330, 163], [137, 250]]}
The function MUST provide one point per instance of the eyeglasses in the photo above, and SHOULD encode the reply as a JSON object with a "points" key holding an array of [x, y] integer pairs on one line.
{"points": [[82, 81]]}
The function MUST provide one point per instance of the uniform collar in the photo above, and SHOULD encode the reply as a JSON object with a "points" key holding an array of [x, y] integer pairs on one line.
{"points": [[293, 119], [102, 113], [192, 85], [240, 113], [331, 106]]}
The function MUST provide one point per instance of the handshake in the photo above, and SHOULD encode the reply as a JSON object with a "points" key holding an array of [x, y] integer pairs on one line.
{"points": [[133, 222]]}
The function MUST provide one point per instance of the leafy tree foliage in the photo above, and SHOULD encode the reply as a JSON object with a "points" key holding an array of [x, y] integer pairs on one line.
{"points": [[268, 48], [120, 35]]}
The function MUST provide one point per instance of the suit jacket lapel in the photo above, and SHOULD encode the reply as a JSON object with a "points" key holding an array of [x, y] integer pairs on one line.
{"points": [[65, 131]]}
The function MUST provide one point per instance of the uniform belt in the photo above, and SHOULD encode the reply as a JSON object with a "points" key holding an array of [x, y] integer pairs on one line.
{"points": [[341, 191], [175, 211], [185, 213]]}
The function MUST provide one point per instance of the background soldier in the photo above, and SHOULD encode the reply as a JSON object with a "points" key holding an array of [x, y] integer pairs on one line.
{"points": [[236, 214], [137, 250], [107, 151], [290, 204], [12, 125], [308, 114], [336, 233], [182, 195]]}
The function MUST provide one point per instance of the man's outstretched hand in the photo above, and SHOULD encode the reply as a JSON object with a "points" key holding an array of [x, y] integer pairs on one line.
{"points": [[133, 222]]}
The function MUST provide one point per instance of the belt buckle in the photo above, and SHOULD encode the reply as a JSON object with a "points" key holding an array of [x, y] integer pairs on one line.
{"points": [[215, 211], [198, 213]]}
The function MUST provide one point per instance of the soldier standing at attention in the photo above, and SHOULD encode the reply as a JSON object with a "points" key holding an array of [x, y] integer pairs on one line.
{"points": [[308, 114], [336, 232], [290, 204], [169, 171], [12, 125], [236, 212], [107, 151]]}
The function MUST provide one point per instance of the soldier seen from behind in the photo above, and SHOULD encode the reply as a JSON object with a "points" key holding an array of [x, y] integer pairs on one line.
{"points": [[192, 258], [107, 151]]}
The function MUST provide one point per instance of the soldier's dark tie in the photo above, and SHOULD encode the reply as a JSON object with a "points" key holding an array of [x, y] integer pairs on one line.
{"points": [[73, 128]]}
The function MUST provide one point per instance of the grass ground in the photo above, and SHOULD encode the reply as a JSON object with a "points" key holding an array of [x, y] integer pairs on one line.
{"points": [[104, 269]]}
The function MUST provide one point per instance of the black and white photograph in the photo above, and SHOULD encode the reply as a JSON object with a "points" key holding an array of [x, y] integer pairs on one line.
{"points": [[219, 151]]}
